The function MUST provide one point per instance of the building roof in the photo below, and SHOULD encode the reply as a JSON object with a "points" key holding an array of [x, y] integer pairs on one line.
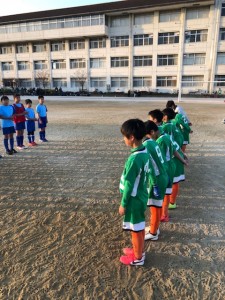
{"points": [[92, 9]]}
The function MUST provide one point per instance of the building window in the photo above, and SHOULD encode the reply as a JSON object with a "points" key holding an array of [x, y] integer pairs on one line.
{"points": [[197, 13], [194, 59], [23, 65], [5, 49], [40, 65], [119, 41], [119, 21], [223, 10], [168, 38], [58, 64], [169, 16], [167, 60], [166, 81], [118, 62], [7, 66], [142, 61], [195, 36], [57, 46], [39, 47], [59, 82], [92, 20], [143, 39], [222, 34], [98, 82], [119, 82], [74, 82], [142, 82], [77, 44], [142, 19], [220, 79], [97, 43], [23, 48], [221, 58], [97, 63], [26, 83], [193, 81], [78, 63]]}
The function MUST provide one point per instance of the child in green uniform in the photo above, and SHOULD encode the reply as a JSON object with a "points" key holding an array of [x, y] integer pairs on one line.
{"points": [[155, 199], [133, 186], [182, 124]]}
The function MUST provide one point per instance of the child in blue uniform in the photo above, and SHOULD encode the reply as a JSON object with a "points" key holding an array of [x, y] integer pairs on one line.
{"points": [[30, 123], [6, 114], [42, 118]]}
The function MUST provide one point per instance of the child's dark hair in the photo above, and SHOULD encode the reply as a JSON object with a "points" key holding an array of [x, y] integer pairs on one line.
{"points": [[16, 96], [4, 98], [169, 112], [133, 127], [156, 114], [149, 126], [40, 97], [170, 104], [28, 101]]}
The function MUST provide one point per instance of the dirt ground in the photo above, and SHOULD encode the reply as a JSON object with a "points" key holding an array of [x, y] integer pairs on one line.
{"points": [[60, 232]]}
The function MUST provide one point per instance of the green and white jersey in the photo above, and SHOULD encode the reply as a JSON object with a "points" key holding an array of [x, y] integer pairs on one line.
{"points": [[133, 186], [171, 129], [159, 166], [168, 148], [182, 123]]}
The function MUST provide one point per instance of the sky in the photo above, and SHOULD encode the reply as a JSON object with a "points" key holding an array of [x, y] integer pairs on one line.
{"points": [[12, 7]]}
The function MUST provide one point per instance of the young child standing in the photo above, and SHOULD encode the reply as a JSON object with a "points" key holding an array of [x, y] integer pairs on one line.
{"points": [[42, 118], [6, 114], [157, 191], [30, 123], [133, 187], [19, 121]]}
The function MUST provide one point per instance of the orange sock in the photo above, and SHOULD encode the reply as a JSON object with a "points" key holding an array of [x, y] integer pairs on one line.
{"points": [[138, 243], [174, 194], [156, 213], [166, 202]]}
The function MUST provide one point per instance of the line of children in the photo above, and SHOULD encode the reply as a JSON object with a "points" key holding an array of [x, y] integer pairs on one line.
{"points": [[15, 118], [150, 178]]}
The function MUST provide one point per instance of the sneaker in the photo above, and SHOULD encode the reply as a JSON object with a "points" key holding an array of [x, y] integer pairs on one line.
{"points": [[41, 141], [147, 230], [9, 152], [130, 252], [164, 219], [24, 147], [45, 140], [14, 151], [172, 206], [132, 261], [30, 145], [34, 144], [151, 237], [19, 148]]}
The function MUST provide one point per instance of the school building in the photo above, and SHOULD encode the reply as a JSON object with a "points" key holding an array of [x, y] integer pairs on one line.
{"points": [[151, 45]]}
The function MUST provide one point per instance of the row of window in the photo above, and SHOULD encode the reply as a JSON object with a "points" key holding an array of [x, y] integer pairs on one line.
{"points": [[122, 82], [100, 62], [192, 36], [115, 21]]}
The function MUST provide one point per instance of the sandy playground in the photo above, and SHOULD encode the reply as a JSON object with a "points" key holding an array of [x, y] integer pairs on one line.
{"points": [[60, 231]]}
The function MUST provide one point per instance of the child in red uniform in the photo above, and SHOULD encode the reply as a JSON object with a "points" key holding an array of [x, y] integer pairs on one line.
{"points": [[19, 121]]}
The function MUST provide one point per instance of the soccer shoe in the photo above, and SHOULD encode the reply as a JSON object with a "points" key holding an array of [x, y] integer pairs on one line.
{"points": [[24, 147], [151, 237], [9, 152], [172, 206], [41, 141], [34, 144], [164, 219], [45, 140], [19, 148], [147, 230], [14, 151], [132, 261], [130, 252], [30, 145]]}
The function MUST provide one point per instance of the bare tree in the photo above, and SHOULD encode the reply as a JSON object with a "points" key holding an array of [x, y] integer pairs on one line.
{"points": [[81, 77], [42, 79]]}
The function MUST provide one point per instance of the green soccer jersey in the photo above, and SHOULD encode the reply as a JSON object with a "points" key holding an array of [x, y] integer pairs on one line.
{"points": [[133, 187], [159, 166], [171, 129], [182, 123]]}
